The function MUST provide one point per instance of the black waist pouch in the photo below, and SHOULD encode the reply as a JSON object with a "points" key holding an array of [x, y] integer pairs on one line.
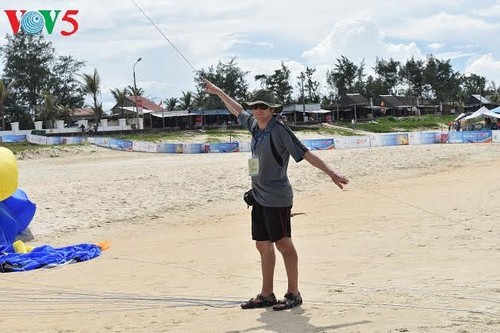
{"points": [[248, 197]]}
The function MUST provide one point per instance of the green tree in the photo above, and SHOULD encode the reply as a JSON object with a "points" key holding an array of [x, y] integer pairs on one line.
{"points": [[441, 83], [343, 77], [279, 83], [302, 78], [227, 76], [135, 91], [494, 92], [473, 84], [411, 75], [373, 87], [120, 96], [326, 102], [308, 86], [50, 110], [47, 109], [92, 86], [4, 93], [386, 72], [359, 84], [186, 100], [63, 112], [27, 60], [30, 61], [171, 103], [64, 85]]}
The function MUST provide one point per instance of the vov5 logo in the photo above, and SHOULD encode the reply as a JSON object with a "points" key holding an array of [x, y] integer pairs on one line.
{"points": [[33, 22]]}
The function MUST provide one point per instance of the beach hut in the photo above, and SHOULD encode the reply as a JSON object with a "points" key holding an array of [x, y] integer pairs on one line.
{"points": [[476, 101], [395, 105], [351, 106], [306, 113]]}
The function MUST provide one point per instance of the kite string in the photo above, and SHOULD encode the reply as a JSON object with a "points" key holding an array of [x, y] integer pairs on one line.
{"points": [[428, 211], [127, 301], [232, 109], [164, 36]]}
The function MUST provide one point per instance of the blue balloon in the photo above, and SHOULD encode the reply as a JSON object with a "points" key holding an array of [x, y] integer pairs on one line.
{"points": [[16, 213]]}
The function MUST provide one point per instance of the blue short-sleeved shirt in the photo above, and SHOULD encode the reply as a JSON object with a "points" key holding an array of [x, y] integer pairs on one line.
{"points": [[271, 187]]}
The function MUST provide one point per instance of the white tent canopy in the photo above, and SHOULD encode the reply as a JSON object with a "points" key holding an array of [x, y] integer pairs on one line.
{"points": [[484, 112], [477, 113], [462, 115]]}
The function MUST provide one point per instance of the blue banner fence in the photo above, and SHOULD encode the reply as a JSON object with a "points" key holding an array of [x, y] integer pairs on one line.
{"points": [[375, 140]]}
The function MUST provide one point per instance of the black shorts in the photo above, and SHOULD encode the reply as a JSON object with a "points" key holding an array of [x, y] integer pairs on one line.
{"points": [[270, 223]]}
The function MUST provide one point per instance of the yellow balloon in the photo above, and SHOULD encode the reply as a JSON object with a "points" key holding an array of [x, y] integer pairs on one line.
{"points": [[8, 173]]}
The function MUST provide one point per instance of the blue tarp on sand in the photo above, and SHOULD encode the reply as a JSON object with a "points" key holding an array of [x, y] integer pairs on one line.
{"points": [[45, 255], [16, 213]]}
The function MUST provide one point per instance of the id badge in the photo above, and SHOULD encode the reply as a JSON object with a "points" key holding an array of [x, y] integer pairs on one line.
{"points": [[253, 166]]}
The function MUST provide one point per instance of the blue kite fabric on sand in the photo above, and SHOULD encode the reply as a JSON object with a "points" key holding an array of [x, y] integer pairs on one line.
{"points": [[16, 213], [45, 256]]}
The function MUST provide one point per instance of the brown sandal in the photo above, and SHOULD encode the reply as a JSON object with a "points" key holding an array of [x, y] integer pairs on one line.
{"points": [[260, 302], [289, 302]]}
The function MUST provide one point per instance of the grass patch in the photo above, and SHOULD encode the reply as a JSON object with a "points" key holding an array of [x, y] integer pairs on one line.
{"points": [[405, 124], [214, 136], [156, 137], [21, 147], [209, 135], [337, 131]]}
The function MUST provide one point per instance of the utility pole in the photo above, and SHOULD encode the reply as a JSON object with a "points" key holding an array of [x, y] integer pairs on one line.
{"points": [[303, 99], [135, 94]]}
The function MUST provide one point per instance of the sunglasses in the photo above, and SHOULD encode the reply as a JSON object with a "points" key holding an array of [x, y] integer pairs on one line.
{"points": [[260, 106]]}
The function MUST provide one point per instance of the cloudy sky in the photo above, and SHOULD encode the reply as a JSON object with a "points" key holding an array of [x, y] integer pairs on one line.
{"points": [[113, 34]]}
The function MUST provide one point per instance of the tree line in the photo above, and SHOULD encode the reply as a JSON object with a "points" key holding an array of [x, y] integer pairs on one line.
{"points": [[37, 85]]}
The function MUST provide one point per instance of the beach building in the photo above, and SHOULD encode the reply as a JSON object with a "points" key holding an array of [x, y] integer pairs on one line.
{"points": [[351, 106]]}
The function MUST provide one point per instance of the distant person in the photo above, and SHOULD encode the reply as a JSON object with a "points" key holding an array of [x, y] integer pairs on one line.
{"points": [[272, 145], [353, 122], [487, 123]]}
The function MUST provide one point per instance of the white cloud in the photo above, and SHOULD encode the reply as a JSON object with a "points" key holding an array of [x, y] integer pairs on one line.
{"points": [[436, 46], [444, 27], [402, 52], [353, 39], [486, 66], [358, 40], [492, 11]]}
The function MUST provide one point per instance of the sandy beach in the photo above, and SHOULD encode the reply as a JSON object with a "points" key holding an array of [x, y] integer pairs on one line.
{"points": [[411, 245]]}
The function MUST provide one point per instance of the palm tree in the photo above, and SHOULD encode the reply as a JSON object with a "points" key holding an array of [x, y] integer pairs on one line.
{"points": [[91, 86], [47, 111], [63, 112], [171, 103], [186, 100], [135, 91], [120, 96], [4, 93]]}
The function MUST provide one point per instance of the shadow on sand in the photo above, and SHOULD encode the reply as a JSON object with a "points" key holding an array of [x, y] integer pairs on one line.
{"points": [[293, 321]]}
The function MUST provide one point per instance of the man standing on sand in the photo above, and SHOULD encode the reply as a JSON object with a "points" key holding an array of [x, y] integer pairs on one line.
{"points": [[272, 145]]}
